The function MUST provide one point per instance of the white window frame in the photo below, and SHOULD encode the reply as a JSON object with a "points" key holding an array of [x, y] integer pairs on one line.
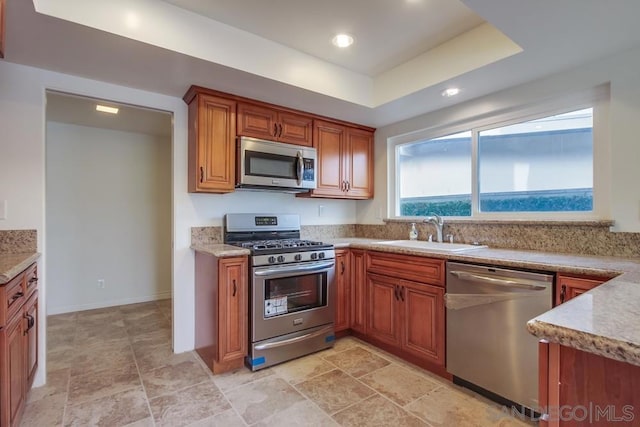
{"points": [[596, 98]]}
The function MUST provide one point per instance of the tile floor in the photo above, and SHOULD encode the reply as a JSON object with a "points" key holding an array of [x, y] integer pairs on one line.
{"points": [[115, 367]]}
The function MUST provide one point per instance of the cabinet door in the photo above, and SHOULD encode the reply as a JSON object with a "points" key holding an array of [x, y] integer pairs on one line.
{"points": [[31, 337], [342, 291], [570, 287], [257, 121], [12, 369], [233, 305], [329, 140], [384, 305], [295, 129], [358, 316], [212, 148], [359, 164], [423, 333]]}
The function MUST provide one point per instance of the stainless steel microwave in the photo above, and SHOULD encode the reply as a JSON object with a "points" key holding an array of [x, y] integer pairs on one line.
{"points": [[271, 165]]}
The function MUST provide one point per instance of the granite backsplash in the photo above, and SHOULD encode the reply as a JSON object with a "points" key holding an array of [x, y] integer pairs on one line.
{"points": [[579, 237], [18, 241]]}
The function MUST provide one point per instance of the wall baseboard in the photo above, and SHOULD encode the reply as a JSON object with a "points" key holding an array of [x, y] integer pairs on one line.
{"points": [[110, 303]]}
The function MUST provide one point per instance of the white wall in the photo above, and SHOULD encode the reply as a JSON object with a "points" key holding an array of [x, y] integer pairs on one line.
{"points": [[618, 176], [22, 182], [108, 217]]}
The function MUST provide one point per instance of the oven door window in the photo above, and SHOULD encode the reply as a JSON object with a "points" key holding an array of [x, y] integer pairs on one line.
{"points": [[293, 294], [270, 165]]}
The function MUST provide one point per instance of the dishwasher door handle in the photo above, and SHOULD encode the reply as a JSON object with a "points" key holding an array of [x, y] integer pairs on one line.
{"points": [[513, 283]]}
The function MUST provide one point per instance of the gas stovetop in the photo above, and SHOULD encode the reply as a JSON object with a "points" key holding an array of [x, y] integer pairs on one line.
{"points": [[268, 235], [277, 245]]}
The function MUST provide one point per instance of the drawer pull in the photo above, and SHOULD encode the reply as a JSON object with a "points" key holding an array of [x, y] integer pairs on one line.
{"points": [[33, 280], [15, 296]]}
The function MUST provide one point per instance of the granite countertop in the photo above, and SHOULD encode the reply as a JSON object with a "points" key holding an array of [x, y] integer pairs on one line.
{"points": [[221, 250], [13, 264], [603, 321]]}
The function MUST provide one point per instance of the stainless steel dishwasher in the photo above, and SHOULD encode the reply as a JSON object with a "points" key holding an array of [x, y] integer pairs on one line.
{"points": [[488, 345]]}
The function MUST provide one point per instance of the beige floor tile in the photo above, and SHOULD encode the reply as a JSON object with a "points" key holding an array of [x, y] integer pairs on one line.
{"points": [[188, 405], [169, 379], [102, 357], [61, 319], [161, 336], [228, 418], [399, 384], [164, 303], [357, 361], [239, 377], [444, 407], [160, 356], [150, 322], [261, 399], [59, 359], [97, 335], [57, 383], [304, 368], [98, 384], [135, 311], [44, 412], [61, 340], [108, 314], [116, 410], [303, 413], [376, 411], [334, 390], [341, 344]]}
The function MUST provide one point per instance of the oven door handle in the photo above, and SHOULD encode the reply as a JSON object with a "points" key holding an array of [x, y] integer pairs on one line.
{"points": [[297, 268], [268, 345]]}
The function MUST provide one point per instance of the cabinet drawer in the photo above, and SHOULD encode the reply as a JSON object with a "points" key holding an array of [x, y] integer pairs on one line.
{"points": [[12, 298], [30, 280], [416, 268]]}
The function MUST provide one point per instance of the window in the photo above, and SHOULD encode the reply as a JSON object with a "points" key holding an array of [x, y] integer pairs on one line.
{"points": [[540, 165]]}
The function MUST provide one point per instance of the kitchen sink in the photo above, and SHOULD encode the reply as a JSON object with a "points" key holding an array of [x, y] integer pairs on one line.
{"points": [[432, 246]]}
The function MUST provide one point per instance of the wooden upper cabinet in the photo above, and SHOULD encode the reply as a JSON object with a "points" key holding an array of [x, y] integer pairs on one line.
{"points": [[345, 161], [268, 123], [359, 165], [568, 287], [212, 133], [2, 19]]}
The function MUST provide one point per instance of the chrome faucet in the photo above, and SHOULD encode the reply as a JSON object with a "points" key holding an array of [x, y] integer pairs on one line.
{"points": [[438, 222]]}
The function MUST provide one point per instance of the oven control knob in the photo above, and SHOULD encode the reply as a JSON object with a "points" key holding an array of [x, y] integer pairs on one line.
{"points": [[321, 255], [271, 259], [298, 257], [280, 258], [314, 256]]}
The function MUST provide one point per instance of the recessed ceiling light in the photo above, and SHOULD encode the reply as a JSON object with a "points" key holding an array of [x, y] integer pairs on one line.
{"points": [[342, 40], [452, 91], [105, 109]]}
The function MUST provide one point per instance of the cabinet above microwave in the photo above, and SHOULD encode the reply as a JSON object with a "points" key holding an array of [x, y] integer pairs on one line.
{"points": [[215, 122]]}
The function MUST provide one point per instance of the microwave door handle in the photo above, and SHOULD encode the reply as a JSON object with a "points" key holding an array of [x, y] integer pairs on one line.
{"points": [[300, 168]]}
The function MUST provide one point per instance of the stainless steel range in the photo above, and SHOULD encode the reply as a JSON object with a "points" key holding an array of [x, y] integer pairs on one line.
{"points": [[291, 301]]}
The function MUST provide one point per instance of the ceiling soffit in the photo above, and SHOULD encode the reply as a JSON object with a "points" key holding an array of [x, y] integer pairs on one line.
{"points": [[170, 27]]}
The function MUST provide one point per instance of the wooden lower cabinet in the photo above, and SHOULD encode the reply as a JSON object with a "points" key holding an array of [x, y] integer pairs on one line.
{"points": [[579, 388], [221, 311], [568, 287], [408, 316], [18, 344], [342, 291], [358, 287]]}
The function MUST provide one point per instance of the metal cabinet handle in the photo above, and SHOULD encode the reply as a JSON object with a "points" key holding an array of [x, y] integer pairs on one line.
{"points": [[201, 174], [402, 293], [15, 297], [279, 130], [563, 293], [235, 287], [33, 279], [341, 267], [275, 130], [395, 292], [348, 186], [30, 323]]}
